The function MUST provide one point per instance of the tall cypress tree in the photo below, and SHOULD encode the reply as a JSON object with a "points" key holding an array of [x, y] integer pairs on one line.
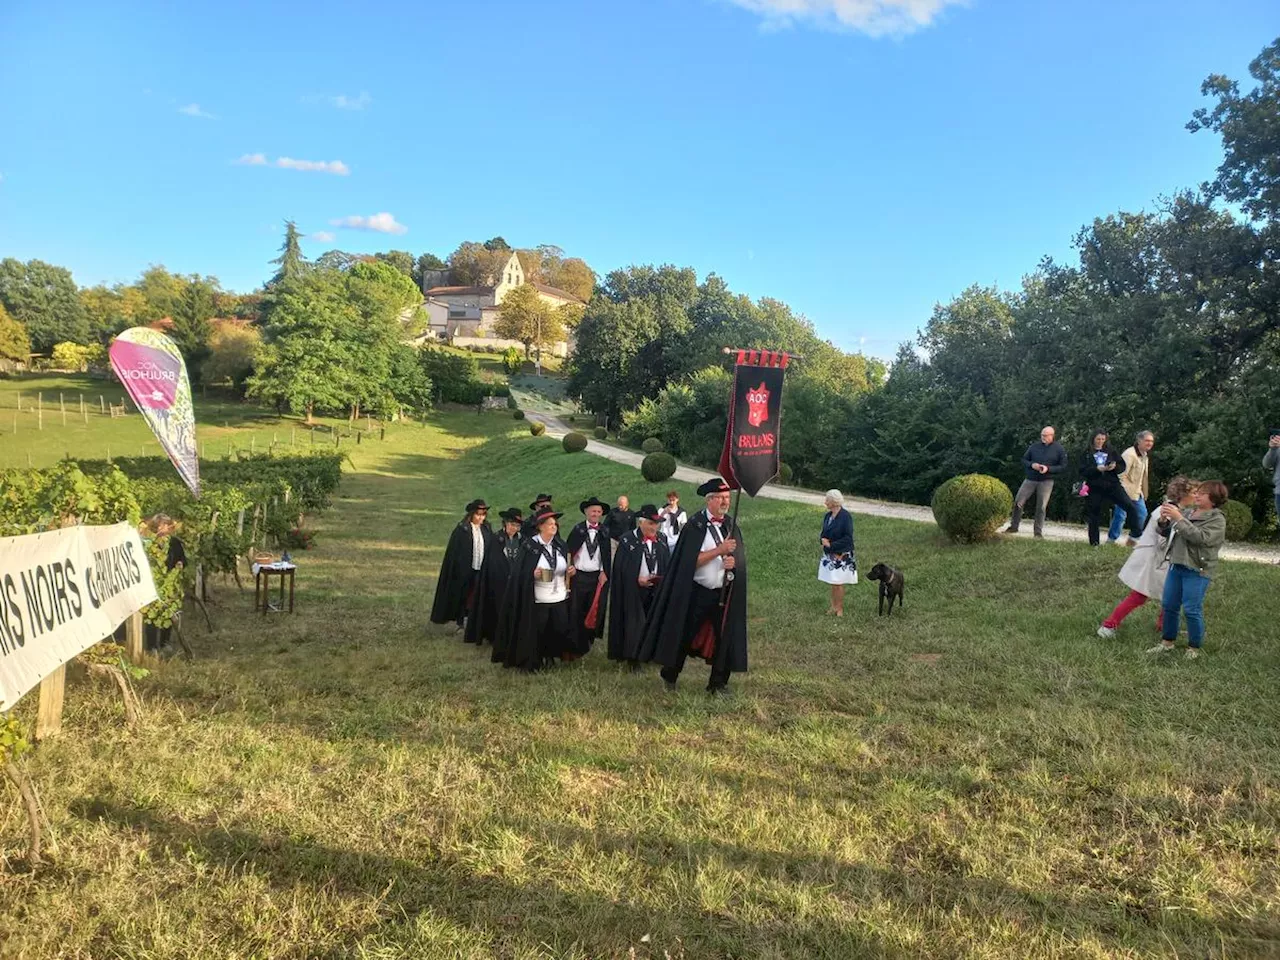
{"points": [[291, 263]]}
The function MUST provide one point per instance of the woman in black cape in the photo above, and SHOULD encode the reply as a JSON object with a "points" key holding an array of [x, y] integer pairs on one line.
{"points": [[642, 560], [491, 587], [458, 570], [533, 621]]}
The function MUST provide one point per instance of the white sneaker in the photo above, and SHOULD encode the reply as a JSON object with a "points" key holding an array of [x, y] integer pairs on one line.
{"points": [[1192, 653], [1107, 633], [1160, 648]]}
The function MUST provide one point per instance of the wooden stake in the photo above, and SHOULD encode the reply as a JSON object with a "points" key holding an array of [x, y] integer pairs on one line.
{"points": [[62, 405], [49, 713], [40, 409], [133, 637], [102, 405]]}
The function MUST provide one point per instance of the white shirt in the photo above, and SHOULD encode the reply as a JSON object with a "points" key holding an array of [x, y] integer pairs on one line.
{"points": [[584, 562], [711, 573], [556, 590], [644, 571], [477, 546], [672, 536]]}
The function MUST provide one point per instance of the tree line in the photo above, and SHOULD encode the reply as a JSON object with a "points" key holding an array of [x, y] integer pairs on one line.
{"points": [[1168, 320]]}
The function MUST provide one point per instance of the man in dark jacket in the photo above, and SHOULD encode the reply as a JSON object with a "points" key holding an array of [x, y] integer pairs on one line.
{"points": [[1042, 462], [621, 520]]}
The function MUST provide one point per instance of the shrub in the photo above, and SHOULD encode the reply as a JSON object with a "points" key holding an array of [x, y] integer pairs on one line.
{"points": [[537, 428], [785, 473], [511, 361], [574, 442], [517, 415], [970, 508], [1239, 519], [601, 433], [511, 401], [657, 467], [652, 445]]}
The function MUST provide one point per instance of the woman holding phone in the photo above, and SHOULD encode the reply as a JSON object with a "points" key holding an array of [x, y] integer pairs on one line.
{"points": [[1100, 469]]}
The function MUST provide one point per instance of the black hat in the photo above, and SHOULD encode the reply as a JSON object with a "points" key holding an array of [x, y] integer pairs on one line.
{"points": [[540, 498], [649, 512], [544, 515], [714, 485], [593, 502], [475, 505], [512, 515]]}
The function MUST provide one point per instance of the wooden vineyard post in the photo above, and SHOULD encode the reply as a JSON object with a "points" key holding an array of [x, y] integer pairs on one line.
{"points": [[133, 637], [40, 410], [49, 712], [84, 411], [102, 405], [62, 406]]}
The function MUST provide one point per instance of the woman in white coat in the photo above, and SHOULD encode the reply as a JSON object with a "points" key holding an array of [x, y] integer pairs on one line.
{"points": [[1145, 571]]}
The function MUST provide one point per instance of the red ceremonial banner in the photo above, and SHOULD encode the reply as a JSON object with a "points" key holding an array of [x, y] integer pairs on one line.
{"points": [[753, 440]]}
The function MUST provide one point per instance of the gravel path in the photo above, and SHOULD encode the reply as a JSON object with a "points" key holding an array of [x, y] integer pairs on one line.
{"points": [[875, 508]]}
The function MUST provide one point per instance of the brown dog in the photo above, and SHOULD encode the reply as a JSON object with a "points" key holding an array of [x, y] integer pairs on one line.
{"points": [[892, 585]]}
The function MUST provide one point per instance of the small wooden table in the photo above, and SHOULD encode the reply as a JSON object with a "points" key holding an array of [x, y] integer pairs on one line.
{"points": [[262, 574]]}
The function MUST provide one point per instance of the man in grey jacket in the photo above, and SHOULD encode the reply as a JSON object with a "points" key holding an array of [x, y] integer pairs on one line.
{"points": [[1272, 462]]}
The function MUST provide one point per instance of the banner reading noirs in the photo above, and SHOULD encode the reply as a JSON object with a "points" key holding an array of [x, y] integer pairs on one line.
{"points": [[60, 593], [753, 440], [151, 368]]}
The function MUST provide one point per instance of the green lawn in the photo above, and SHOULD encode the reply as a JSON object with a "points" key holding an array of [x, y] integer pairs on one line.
{"points": [[978, 777]]}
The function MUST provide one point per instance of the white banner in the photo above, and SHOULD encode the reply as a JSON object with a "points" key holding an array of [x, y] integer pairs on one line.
{"points": [[60, 593]]}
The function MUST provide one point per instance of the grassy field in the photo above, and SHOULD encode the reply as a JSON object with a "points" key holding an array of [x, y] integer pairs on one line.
{"points": [[978, 777]]}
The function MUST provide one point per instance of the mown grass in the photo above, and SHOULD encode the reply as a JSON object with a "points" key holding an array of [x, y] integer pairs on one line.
{"points": [[977, 777]]}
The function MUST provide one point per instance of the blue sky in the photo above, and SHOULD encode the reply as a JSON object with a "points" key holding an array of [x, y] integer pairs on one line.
{"points": [[856, 160]]}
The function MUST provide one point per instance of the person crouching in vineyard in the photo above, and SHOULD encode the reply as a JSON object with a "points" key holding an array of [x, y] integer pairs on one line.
{"points": [[160, 534], [463, 557]]}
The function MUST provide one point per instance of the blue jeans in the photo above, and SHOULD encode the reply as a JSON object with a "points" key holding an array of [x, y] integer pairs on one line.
{"points": [[1184, 588], [1118, 518]]}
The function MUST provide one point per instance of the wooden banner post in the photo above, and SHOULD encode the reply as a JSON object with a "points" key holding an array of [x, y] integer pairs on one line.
{"points": [[49, 712]]}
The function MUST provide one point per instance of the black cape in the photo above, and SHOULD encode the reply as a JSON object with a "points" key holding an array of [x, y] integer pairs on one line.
{"points": [[515, 641], [491, 587], [665, 640], [580, 597], [456, 574], [627, 610]]}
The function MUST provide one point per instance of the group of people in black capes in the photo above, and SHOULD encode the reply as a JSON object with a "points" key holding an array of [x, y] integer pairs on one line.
{"points": [[661, 584]]}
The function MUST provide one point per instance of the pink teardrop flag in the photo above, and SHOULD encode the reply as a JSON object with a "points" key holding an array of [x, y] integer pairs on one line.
{"points": [[151, 368]]}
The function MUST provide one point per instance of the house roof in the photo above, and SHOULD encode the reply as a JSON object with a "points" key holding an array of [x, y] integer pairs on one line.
{"points": [[556, 292], [457, 291]]}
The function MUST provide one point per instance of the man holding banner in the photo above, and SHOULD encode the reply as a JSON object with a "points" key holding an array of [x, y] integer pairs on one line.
{"points": [[701, 606]]}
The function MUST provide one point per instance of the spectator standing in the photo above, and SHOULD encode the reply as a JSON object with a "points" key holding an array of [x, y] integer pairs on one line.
{"points": [[1272, 462], [1135, 480], [1043, 461], [1100, 471]]}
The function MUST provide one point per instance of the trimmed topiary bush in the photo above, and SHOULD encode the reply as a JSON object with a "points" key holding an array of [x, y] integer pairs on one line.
{"points": [[1239, 519], [537, 428], [601, 433], [657, 467], [652, 445], [518, 415], [970, 508], [784, 473], [574, 442]]}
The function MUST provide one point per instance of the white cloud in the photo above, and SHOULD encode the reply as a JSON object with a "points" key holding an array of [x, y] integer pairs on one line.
{"points": [[324, 236], [379, 223], [252, 160], [319, 166], [193, 110], [343, 102], [875, 18]]}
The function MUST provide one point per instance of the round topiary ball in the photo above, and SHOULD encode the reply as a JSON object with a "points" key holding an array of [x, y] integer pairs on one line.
{"points": [[657, 467], [574, 443], [601, 433], [784, 473], [518, 415], [970, 508], [652, 445], [537, 428], [1239, 519]]}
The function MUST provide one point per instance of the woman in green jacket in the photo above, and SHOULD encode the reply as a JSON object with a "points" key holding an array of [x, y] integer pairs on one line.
{"points": [[1194, 541]]}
